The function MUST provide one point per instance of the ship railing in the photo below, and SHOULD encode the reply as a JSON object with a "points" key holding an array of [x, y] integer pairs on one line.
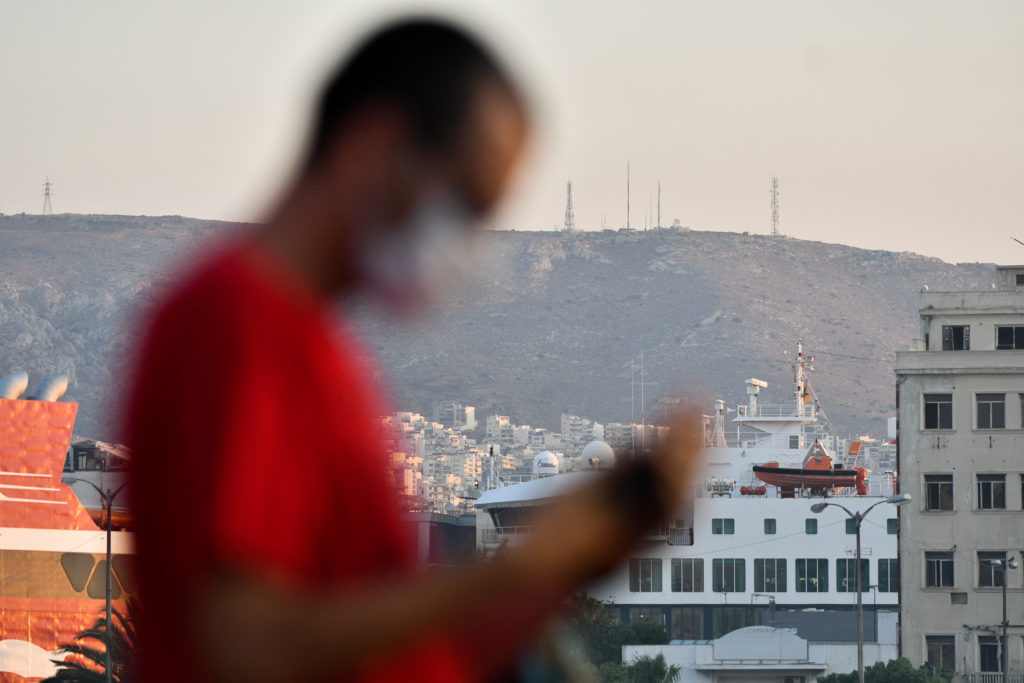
{"points": [[671, 534], [680, 536], [499, 535], [755, 438], [990, 677], [777, 410]]}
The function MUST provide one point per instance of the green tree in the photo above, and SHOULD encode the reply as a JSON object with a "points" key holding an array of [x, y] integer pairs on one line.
{"points": [[894, 671], [85, 658], [602, 634]]}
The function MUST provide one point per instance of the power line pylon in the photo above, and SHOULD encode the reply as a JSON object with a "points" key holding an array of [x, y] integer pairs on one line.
{"points": [[570, 220], [47, 206]]}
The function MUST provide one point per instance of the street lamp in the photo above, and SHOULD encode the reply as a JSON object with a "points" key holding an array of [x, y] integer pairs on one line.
{"points": [[1003, 564], [858, 517], [107, 499]]}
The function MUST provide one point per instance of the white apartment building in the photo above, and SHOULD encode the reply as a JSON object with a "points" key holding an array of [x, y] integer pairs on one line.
{"points": [[960, 399]]}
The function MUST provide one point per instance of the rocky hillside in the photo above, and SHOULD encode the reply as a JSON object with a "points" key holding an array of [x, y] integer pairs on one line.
{"points": [[550, 323]]}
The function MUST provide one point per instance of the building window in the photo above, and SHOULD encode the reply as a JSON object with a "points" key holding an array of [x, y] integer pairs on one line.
{"points": [[645, 575], [991, 491], [769, 525], [991, 411], [990, 573], [941, 651], [938, 411], [687, 575], [938, 490], [728, 575], [723, 526], [770, 575], [812, 576], [687, 623], [988, 654], [938, 570], [892, 526], [889, 576], [846, 575], [654, 615], [1009, 337], [811, 525], [851, 526], [794, 441], [956, 337]]}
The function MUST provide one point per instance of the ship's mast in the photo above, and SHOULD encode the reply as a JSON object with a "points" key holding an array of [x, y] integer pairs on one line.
{"points": [[799, 379]]}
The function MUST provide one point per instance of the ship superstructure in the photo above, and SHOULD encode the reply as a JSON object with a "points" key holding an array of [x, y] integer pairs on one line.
{"points": [[52, 553], [742, 551]]}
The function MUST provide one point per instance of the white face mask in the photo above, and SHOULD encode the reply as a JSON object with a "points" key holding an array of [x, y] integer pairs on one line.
{"points": [[419, 263]]}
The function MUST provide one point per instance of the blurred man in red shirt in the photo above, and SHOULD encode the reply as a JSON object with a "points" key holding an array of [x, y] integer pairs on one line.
{"points": [[269, 543]]}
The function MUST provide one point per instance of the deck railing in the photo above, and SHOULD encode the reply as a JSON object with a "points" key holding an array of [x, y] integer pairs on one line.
{"points": [[503, 534], [990, 677]]}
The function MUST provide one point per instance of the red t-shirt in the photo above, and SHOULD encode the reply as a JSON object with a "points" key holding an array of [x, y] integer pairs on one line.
{"points": [[253, 425]]}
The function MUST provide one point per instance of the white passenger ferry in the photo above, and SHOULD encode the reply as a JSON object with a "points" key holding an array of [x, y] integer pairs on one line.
{"points": [[747, 551]]}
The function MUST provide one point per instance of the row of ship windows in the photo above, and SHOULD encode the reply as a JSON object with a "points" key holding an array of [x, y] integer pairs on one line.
{"points": [[990, 492], [939, 569], [729, 575], [989, 410], [727, 525], [958, 337]]}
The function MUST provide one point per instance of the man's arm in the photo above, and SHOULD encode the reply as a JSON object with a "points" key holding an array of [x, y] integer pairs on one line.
{"points": [[251, 628]]}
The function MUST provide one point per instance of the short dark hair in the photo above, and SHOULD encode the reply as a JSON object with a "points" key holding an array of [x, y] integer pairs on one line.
{"points": [[428, 68]]}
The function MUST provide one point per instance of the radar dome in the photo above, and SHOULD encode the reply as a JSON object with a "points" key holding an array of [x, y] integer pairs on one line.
{"points": [[545, 464], [597, 455]]}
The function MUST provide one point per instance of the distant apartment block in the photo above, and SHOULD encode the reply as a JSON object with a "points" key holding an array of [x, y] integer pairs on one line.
{"points": [[455, 415]]}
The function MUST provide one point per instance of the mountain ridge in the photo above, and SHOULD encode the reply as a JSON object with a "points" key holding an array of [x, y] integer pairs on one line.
{"points": [[551, 322]]}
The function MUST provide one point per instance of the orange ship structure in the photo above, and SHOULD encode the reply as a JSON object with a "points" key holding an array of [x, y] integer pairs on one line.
{"points": [[52, 553]]}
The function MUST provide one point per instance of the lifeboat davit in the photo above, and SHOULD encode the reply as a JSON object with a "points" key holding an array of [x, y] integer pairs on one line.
{"points": [[817, 472]]}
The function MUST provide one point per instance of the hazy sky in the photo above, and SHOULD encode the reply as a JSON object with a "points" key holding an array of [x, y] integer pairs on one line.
{"points": [[895, 124]]}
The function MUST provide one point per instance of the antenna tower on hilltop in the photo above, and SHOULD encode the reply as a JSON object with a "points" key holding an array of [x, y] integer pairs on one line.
{"points": [[627, 195], [47, 206], [570, 221], [659, 205], [775, 206]]}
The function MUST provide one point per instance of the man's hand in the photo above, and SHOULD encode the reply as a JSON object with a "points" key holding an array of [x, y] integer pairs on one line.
{"points": [[587, 532]]}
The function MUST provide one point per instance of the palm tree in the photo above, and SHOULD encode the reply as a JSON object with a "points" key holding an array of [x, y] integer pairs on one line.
{"points": [[85, 660], [652, 670]]}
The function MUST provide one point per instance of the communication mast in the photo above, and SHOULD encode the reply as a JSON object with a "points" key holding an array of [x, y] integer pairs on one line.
{"points": [[775, 206], [659, 205], [570, 221], [47, 207]]}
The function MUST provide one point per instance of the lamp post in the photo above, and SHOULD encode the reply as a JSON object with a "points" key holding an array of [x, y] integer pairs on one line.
{"points": [[107, 500], [858, 517], [1004, 564]]}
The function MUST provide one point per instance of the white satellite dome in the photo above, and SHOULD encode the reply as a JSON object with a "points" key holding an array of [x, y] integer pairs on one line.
{"points": [[545, 464], [597, 455]]}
